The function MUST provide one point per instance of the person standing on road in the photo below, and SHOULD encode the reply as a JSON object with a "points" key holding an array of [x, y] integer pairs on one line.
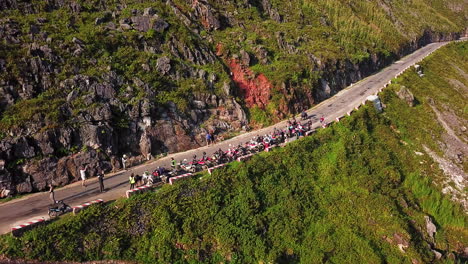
{"points": [[114, 162], [132, 181], [208, 139], [83, 175], [101, 181], [52, 193], [173, 163], [124, 162]]}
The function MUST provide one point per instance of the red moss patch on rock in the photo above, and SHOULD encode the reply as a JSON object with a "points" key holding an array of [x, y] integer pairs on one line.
{"points": [[256, 89]]}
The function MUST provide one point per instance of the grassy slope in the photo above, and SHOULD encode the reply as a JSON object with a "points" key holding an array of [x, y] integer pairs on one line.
{"points": [[342, 195]]}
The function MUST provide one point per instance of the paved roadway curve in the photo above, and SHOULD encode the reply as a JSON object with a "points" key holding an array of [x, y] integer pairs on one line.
{"points": [[35, 205]]}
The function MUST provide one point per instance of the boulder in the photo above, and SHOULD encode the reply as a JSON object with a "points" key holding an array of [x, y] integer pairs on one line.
{"points": [[89, 135], [40, 172], [125, 24], [205, 12], [406, 95], [430, 227], [101, 113], [45, 141], [437, 254], [105, 91], [141, 23], [95, 160], [160, 25], [6, 149], [64, 172], [262, 54], [245, 58], [149, 11], [6, 183], [5, 193], [23, 149], [163, 65], [25, 186], [272, 12]]}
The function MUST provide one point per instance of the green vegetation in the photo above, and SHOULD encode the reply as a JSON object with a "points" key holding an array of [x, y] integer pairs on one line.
{"points": [[45, 108], [447, 68], [347, 194], [323, 198], [311, 37]]}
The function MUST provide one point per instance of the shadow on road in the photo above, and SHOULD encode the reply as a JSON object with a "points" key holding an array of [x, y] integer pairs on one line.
{"points": [[117, 185], [80, 194]]}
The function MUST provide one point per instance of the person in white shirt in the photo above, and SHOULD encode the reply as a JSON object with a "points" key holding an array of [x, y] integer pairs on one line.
{"points": [[124, 162], [83, 175]]}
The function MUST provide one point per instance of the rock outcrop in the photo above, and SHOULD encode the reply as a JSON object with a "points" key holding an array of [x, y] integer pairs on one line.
{"points": [[148, 79]]}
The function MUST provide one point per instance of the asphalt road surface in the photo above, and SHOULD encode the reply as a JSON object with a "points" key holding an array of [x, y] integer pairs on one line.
{"points": [[35, 206]]}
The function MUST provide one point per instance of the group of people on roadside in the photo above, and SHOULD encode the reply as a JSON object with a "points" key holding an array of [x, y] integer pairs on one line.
{"points": [[82, 171], [293, 128], [148, 178], [210, 137]]}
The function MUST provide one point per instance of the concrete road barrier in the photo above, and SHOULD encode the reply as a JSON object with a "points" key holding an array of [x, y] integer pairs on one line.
{"points": [[270, 148], [210, 170], [176, 178], [80, 207], [137, 190], [244, 158], [310, 132], [18, 230]]}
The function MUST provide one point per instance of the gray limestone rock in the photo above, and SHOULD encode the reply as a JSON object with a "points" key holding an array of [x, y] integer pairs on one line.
{"points": [[23, 149], [141, 23], [163, 65], [406, 95], [245, 58], [430, 227], [160, 25]]}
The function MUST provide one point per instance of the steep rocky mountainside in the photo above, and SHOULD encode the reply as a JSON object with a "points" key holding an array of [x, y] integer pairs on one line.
{"points": [[82, 82], [367, 189]]}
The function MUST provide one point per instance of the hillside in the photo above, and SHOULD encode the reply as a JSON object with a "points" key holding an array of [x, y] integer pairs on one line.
{"points": [[362, 190], [84, 82]]}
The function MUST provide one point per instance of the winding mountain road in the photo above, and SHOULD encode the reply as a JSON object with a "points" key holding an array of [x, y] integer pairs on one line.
{"points": [[34, 206]]}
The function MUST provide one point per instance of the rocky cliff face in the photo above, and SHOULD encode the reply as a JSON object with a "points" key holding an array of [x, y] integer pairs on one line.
{"points": [[83, 83]]}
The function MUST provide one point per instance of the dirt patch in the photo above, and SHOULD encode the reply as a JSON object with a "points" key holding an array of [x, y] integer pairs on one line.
{"points": [[449, 120], [457, 179], [460, 87], [454, 141], [455, 150], [462, 72]]}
